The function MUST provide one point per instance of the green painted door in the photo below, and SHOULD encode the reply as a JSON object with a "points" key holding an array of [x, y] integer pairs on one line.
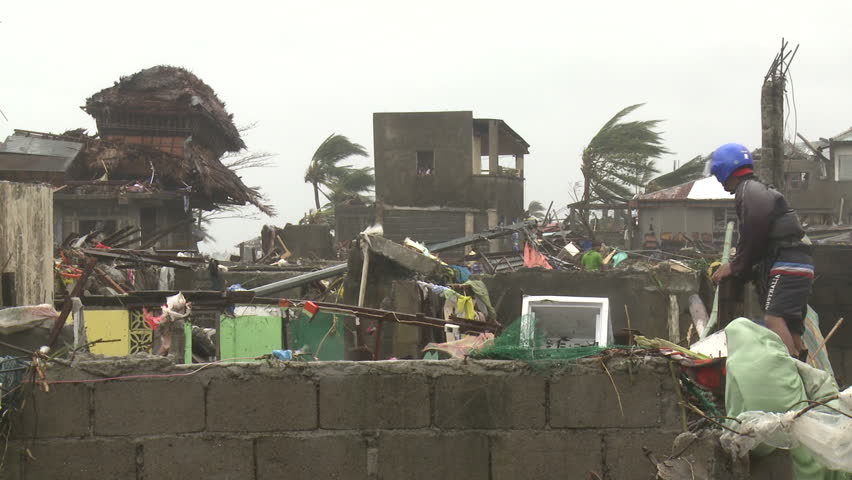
{"points": [[252, 332], [323, 334]]}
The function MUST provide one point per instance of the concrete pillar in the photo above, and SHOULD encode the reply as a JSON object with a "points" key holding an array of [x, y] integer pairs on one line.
{"points": [[477, 155], [519, 165], [493, 147], [493, 245], [468, 229]]}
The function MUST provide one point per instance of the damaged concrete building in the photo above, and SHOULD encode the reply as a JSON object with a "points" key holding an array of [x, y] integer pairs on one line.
{"points": [[153, 164], [432, 182], [817, 178]]}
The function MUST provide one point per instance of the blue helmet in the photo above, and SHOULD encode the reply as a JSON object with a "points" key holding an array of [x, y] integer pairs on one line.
{"points": [[729, 158]]}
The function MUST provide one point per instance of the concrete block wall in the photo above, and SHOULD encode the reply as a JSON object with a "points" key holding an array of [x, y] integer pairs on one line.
{"points": [[343, 420]]}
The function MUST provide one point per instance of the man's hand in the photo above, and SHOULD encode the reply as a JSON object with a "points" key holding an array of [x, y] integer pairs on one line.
{"points": [[722, 272]]}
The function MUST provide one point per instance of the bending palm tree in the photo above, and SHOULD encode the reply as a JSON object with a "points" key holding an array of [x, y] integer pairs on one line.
{"points": [[621, 155], [325, 169], [535, 209]]}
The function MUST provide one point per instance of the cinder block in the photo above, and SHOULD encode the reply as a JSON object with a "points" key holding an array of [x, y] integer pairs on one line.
{"points": [[12, 468], [261, 405], [312, 456], [590, 401], [207, 458], [62, 412], [625, 459], [374, 401], [545, 455], [426, 455], [81, 460], [490, 401], [149, 407], [776, 466]]}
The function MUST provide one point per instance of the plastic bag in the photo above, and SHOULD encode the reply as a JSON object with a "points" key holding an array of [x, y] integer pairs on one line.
{"points": [[18, 319], [828, 437], [824, 433], [756, 428]]}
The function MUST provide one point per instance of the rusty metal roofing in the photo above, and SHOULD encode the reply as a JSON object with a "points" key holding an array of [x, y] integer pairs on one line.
{"points": [[25, 151], [678, 192], [704, 189]]}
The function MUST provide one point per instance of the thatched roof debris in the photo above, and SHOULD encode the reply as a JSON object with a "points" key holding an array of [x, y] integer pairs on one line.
{"points": [[161, 171], [166, 90]]}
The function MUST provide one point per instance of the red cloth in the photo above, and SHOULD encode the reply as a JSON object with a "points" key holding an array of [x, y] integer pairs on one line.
{"points": [[743, 171], [532, 258]]}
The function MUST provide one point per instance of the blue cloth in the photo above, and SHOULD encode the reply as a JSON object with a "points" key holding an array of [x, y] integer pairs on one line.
{"points": [[462, 273], [587, 244]]}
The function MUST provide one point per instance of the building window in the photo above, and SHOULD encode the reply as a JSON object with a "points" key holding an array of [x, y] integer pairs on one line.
{"points": [[425, 163], [796, 181]]}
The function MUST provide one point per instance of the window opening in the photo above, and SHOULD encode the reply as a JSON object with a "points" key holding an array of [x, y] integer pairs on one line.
{"points": [[425, 163]]}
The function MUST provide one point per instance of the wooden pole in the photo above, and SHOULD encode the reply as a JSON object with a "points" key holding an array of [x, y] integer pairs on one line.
{"points": [[812, 356], [726, 254], [89, 266]]}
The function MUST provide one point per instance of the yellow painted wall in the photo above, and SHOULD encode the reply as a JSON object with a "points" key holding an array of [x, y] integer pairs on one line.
{"points": [[108, 325]]}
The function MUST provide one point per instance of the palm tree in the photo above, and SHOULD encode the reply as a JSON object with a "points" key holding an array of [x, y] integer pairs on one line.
{"points": [[325, 170], [688, 172], [620, 156], [535, 209]]}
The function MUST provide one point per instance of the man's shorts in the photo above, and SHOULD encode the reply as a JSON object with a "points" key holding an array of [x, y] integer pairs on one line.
{"points": [[787, 297]]}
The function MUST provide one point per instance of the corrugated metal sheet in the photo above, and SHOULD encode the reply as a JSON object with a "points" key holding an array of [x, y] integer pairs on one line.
{"points": [[678, 192], [505, 261], [705, 189], [34, 153]]}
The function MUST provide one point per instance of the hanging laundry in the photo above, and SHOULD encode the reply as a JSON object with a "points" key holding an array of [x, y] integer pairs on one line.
{"points": [[464, 307], [462, 273], [532, 258], [480, 291]]}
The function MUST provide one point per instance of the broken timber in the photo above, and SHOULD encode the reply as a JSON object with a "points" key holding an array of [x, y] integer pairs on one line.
{"points": [[342, 268]]}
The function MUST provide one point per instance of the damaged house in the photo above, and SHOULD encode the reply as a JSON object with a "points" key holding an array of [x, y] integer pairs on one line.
{"points": [[817, 178], [440, 175], [155, 160]]}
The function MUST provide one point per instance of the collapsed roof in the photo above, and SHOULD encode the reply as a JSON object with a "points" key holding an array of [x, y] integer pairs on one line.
{"points": [[197, 171], [165, 90]]}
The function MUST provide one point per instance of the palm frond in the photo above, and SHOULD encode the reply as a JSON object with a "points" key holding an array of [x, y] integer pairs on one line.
{"points": [[336, 148]]}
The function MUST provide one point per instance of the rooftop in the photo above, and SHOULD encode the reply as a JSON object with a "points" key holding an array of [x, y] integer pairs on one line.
{"points": [[705, 189], [37, 152], [166, 90]]}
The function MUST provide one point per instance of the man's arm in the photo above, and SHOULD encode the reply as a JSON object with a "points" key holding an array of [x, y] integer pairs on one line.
{"points": [[756, 205]]}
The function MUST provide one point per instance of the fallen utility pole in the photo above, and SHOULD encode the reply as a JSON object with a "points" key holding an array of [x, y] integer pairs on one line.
{"points": [[436, 248]]}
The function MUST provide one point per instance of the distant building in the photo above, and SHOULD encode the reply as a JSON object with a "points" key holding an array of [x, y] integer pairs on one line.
{"points": [[817, 179], [156, 159], [678, 216], [440, 175]]}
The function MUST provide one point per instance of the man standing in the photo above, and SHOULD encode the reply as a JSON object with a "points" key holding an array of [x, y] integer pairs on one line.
{"points": [[592, 259], [772, 250]]}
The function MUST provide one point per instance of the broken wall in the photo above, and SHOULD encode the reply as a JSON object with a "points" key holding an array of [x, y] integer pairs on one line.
{"points": [[392, 420], [397, 137], [26, 243], [308, 241], [831, 300], [645, 295]]}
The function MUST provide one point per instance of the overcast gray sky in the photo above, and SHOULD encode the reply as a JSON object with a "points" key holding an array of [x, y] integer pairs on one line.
{"points": [[555, 71]]}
